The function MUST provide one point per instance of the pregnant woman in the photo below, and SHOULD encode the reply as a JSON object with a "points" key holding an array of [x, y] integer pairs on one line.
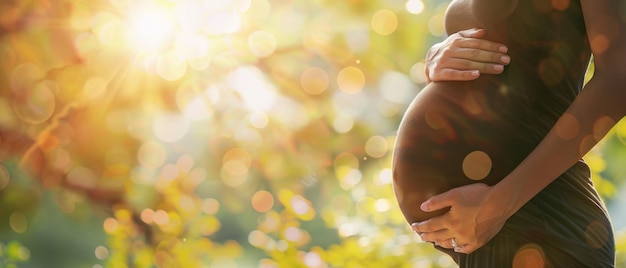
{"points": [[489, 169]]}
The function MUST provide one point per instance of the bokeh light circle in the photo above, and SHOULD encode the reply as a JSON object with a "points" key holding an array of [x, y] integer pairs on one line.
{"points": [[151, 155], [210, 206], [171, 66], [435, 25], [101, 252], [262, 43], [262, 201], [36, 104], [170, 127], [384, 22], [351, 79], [24, 76], [18, 222], [314, 80], [414, 6], [376, 146], [258, 119], [150, 28], [477, 165], [530, 255]]}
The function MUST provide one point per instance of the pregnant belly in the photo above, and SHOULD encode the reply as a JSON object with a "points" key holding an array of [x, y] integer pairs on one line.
{"points": [[453, 134]]}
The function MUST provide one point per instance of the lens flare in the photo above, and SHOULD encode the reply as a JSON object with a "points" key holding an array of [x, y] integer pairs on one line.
{"points": [[151, 29]]}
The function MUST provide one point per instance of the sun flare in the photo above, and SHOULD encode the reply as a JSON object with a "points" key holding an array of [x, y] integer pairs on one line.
{"points": [[151, 29]]}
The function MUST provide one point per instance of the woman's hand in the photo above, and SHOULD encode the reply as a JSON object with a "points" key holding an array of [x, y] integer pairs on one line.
{"points": [[463, 56], [475, 217]]}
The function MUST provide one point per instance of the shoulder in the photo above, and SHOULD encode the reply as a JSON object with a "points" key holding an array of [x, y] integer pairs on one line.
{"points": [[493, 11], [466, 14], [459, 16]]}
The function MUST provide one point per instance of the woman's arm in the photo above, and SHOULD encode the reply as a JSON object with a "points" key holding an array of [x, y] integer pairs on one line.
{"points": [[477, 212], [594, 112]]}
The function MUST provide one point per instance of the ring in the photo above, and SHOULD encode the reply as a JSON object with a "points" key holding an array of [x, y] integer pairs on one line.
{"points": [[456, 246]]}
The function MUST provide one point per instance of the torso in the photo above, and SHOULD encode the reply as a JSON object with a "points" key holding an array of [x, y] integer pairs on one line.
{"points": [[457, 133]]}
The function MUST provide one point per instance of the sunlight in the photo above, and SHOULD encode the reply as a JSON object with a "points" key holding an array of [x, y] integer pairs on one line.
{"points": [[257, 93], [151, 29], [414, 6]]}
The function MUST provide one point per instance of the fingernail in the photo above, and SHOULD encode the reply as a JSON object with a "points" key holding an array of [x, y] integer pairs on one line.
{"points": [[424, 206], [498, 68], [475, 73], [503, 49], [505, 59]]}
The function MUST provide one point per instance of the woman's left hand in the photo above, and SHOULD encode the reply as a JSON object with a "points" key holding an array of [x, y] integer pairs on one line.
{"points": [[474, 218]]}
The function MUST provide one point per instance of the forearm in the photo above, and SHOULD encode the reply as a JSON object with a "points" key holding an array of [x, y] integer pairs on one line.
{"points": [[594, 112]]}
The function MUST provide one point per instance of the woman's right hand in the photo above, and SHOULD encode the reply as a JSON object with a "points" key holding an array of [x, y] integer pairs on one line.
{"points": [[463, 56]]}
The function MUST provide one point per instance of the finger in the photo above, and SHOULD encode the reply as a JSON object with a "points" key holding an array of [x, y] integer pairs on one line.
{"points": [[431, 225], [454, 75], [437, 202], [473, 33], [482, 44], [469, 65], [480, 55], [441, 237], [447, 243]]}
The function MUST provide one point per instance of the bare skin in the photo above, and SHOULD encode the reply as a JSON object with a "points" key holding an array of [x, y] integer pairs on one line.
{"points": [[463, 56], [478, 212]]}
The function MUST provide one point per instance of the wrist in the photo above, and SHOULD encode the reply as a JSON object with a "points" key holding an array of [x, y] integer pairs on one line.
{"points": [[506, 198]]}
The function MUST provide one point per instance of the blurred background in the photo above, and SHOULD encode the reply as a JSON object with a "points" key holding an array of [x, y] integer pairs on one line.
{"points": [[218, 133]]}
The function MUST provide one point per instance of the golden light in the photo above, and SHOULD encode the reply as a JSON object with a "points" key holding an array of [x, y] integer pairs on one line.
{"points": [[414, 6], [384, 22], [151, 29], [314, 80], [530, 255], [262, 201], [301, 207], [151, 155], [376, 146], [110, 225], [147, 215], [477, 165], [257, 92], [351, 79], [161, 217], [313, 259], [262, 43], [343, 123], [259, 239], [18, 222], [435, 25], [210, 206], [102, 252]]}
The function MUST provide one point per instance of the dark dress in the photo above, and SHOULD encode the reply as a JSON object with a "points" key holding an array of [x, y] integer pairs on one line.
{"points": [[458, 133]]}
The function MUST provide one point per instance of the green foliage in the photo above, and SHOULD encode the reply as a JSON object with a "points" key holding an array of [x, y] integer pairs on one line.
{"points": [[12, 254], [621, 249]]}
